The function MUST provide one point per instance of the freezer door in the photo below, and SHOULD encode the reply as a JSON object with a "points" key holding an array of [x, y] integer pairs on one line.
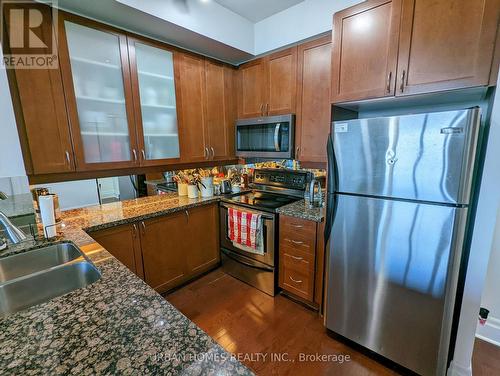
{"points": [[391, 270], [426, 157]]}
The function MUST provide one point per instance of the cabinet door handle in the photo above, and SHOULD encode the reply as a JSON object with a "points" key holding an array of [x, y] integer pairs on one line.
{"points": [[213, 152], [296, 242], [297, 258], [295, 280], [187, 215], [143, 154], [134, 153], [297, 150], [135, 230], [389, 79], [262, 109], [68, 158], [206, 153], [267, 109], [143, 225], [403, 76], [297, 226]]}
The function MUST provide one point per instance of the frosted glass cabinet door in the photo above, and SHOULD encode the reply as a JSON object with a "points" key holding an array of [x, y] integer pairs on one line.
{"points": [[98, 82], [154, 99]]}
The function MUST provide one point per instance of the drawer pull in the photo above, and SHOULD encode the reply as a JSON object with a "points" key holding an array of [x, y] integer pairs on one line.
{"points": [[296, 242], [297, 226], [295, 280], [296, 258]]}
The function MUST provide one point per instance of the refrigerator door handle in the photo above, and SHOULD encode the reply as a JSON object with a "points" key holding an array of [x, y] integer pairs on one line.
{"points": [[331, 202]]}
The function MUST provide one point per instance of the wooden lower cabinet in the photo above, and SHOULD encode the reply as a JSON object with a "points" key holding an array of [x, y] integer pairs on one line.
{"points": [[169, 250], [301, 259], [123, 242], [202, 239]]}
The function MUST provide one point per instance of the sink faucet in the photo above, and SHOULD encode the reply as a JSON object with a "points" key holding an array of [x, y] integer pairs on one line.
{"points": [[13, 233]]}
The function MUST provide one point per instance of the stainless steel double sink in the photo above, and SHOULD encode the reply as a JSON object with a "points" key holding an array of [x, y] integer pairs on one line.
{"points": [[41, 274]]}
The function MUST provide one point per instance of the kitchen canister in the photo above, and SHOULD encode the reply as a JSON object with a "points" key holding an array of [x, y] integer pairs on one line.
{"points": [[207, 186], [182, 189], [192, 191], [47, 213]]}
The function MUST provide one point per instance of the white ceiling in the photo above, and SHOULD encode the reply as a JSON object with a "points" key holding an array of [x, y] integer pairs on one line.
{"points": [[257, 10]]}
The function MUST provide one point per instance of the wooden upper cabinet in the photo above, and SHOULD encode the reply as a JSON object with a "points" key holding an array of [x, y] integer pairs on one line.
{"points": [[219, 110], [191, 108], [252, 89], [96, 78], [267, 86], [38, 100], [446, 44], [281, 82], [365, 47], [124, 243], [154, 74], [313, 100]]}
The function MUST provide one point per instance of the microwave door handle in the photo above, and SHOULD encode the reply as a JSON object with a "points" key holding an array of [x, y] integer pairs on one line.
{"points": [[276, 137]]}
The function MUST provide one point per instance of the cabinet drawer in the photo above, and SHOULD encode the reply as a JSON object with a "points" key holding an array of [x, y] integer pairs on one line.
{"points": [[298, 226], [296, 254], [296, 281], [295, 241]]}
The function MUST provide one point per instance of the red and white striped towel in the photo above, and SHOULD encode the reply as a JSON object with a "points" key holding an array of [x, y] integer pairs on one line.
{"points": [[244, 228]]}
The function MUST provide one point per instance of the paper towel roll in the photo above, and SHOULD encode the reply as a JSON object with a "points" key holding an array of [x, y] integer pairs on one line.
{"points": [[46, 204]]}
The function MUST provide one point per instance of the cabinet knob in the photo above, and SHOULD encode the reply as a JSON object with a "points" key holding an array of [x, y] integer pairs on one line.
{"points": [[403, 76], [295, 280], [68, 158]]}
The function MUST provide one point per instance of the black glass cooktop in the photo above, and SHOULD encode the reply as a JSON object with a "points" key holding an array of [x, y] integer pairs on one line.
{"points": [[263, 200]]}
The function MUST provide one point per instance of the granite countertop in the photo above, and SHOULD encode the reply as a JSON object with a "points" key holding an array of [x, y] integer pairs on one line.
{"points": [[117, 325], [300, 209]]}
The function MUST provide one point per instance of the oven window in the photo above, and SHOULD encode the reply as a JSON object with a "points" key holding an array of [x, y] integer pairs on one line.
{"points": [[263, 137]]}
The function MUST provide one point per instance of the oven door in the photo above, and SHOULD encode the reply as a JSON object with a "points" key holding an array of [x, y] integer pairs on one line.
{"points": [[268, 235], [265, 137]]}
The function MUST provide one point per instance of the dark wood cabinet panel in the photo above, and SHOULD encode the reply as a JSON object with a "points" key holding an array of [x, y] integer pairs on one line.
{"points": [[446, 44], [202, 236], [313, 100], [38, 99], [191, 108], [365, 47], [281, 82], [252, 89], [164, 247], [219, 110], [123, 242]]}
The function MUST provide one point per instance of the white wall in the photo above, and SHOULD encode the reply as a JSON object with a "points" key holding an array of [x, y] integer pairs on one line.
{"points": [[491, 294], [482, 242], [302, 21], [11, 158]]}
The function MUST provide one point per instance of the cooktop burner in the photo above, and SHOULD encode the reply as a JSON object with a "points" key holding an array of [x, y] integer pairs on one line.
{"points": [[263, 200]]}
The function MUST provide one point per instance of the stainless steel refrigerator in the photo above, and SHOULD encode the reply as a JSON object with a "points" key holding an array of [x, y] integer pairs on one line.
{"points": [[399, 191]]}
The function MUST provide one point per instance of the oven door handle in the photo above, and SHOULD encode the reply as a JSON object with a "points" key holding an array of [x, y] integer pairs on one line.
{"points": [[262, 215], [246, 263], [276, 137]]}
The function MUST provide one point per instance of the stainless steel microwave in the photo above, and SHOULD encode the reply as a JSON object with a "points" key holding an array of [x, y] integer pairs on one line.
{"points": [[266, 137]]}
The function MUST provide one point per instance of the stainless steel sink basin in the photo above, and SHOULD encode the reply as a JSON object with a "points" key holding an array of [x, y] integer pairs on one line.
{"points": [[60, 269], [36, 260]]}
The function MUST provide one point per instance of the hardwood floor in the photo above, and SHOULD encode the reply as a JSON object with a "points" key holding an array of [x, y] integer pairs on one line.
{"points": [[246, 321], [486, 359]]}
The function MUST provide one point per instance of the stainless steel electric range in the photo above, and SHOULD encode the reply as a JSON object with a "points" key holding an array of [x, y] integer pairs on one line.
{"points": [[271, 189]]}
